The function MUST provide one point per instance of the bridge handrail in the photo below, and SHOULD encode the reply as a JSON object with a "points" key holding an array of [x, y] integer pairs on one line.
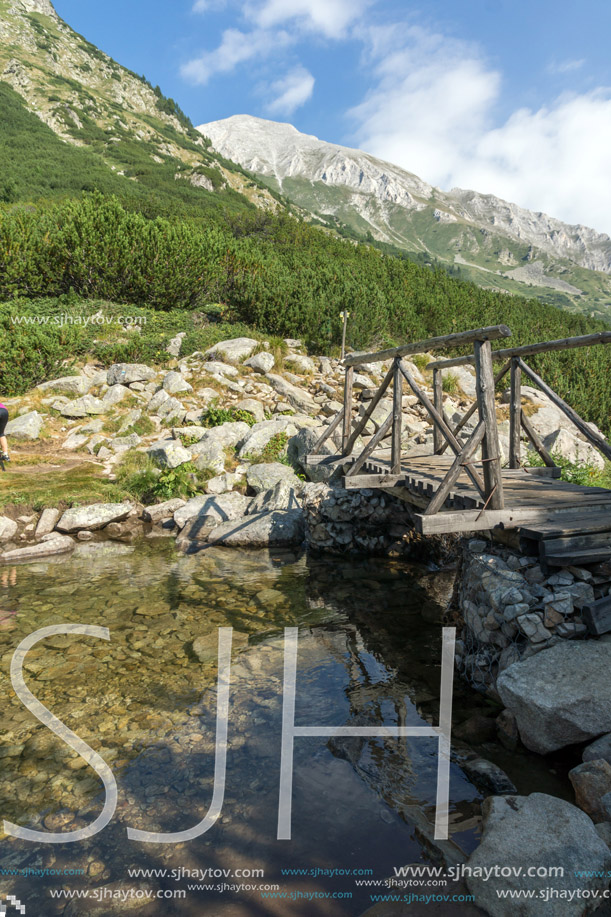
{"points": [[458, 339], [585, 340]]}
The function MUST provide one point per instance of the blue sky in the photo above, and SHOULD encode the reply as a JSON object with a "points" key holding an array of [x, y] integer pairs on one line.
{"points": [[505, 96]]}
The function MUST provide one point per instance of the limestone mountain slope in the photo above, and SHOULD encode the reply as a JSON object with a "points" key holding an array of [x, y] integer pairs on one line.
{"points": [[496, 243]]}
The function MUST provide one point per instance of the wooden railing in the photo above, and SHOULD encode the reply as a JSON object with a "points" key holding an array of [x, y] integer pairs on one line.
{"points": [[490, 486], [518, 420]]}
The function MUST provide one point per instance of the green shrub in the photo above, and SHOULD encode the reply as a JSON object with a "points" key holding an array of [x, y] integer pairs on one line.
{"points": [[214, 417], [147, 482], [450, 384]]}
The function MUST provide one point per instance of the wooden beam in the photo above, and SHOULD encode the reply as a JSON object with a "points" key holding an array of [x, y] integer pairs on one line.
{"points": [[515, 412], [358, 481], [456, 469], [598, 441], [597, 616], [397, 416], [371, 446], [478, 520], [330, 429], [459, 339], [438, 440], [455, 445], [362, 423], [585, 340], [535, 440], [347, 409], [491, 450]]}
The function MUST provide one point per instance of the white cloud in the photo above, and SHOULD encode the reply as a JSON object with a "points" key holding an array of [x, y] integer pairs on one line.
{"points": [[431, 111], [565, 66], [329, 17], [235, 48], [291, 92]]}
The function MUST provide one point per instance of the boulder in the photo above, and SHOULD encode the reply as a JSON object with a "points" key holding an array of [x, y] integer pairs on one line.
{"points": [[261, 363], [75, 441], [265, 476], [172, 410], [67, 385], [299, 363], [234, 351], [560, 696], [227, 435], [126, 373], [160, 511], [8, 528], [156, 402], [591, 781], [84, 406], [222, 483], [216, 368], [190, 509], [207, 396], [253, 407], [212, 511], [465, 378], [170, 453], [174, 346], [174, 382], [50, 545], [302, 445], [47, 522], [93, 517], [281, 496], [539, 830], [572, 447], [27, 426], [209, 455], [601, 748], [273, 529], [260, 434], [296, 397], [193, 431], [115, 394]]}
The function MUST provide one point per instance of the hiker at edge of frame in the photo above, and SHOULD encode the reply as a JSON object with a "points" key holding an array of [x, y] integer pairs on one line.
{"points": [[4, 456]]}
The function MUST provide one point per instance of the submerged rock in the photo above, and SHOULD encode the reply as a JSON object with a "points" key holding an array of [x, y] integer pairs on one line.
{"points": [[51, 544]]}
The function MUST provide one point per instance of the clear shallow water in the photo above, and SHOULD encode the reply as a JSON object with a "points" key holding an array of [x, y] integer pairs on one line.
{"points": [[369, 652]]}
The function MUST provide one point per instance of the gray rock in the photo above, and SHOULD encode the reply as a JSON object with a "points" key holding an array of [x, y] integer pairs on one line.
{"points": [[172, 410], [194, 430], [8, 528], [169, 453], [120, 443], [158, 399], [573, 448], [233, 351], [282, 496], [227, 435], [581, 593], [84, 406], [561, 602], [253, 406], [591, 782], [260, 434], [50, 545], [265, 476], [211, 511], [216, 368], [296, 397], [561, 696], [261, 363], [190, 509], [125, 373], [75, 441], [222, 483], [264, 529], [27, 426], [300, 363], [206, 396], [68, 385], [174, 382], [532, 626], [521, 831], [47, 522], [488, 775], [115, 393], [209, 455], [601, 748], [93, 517], [175, 344], [160, 511]]}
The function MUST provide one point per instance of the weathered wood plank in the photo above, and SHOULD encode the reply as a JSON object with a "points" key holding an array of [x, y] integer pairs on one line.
{"points": [[397, 417], [576, 558], [360, 481], [569, 524], [576, 541], [585, 340], [491, 450], [438, 440], [347, 409], [371, 446], [515, 412], [477, 520], [456, 469], [535, 440], [598, 441], [459, 339], [597, 617]]}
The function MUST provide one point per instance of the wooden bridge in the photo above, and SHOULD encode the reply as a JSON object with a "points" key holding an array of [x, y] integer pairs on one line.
{"points": [[462, 486]]}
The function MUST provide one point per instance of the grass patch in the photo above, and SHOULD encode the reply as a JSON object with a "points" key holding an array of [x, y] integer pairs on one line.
{"points": [[147, 482], [274, 451], [450, 384], [80, 485], [420, 361], [574, 472], [215, 416]]}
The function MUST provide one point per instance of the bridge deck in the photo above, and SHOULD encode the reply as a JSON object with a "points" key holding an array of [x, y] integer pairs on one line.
{"points": [[531, 497]]}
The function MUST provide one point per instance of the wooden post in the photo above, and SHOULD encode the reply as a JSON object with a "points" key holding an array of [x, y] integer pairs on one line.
{"points": [[396, 419], [438, 440], [347, 408], [515, 413], [345, 315], [491, 451]]}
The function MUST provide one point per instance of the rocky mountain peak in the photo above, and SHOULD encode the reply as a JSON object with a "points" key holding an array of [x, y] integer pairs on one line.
{"points": [[44, 7]]}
